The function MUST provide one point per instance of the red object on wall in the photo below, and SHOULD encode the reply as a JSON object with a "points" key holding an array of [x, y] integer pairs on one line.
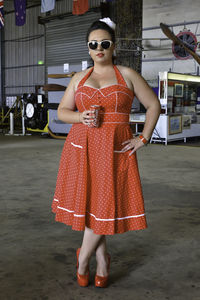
{"points": [[190, 40], [80, 7]]}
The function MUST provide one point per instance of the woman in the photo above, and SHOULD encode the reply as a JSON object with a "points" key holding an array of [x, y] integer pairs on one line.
{"points": [[98, 187]]}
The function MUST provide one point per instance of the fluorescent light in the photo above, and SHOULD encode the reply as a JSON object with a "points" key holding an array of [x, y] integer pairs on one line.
{"points": [[183, 77]]}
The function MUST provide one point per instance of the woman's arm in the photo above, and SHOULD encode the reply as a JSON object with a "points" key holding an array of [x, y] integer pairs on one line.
{"points": [[67, 105], [150, 101]]}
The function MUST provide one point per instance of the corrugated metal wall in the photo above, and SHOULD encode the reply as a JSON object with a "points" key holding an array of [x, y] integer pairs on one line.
{"points": [[25, 46], [65, 39]]}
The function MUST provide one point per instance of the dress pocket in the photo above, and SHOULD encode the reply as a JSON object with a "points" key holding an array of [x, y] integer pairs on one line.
{"points": [[76, 145], [121, 160]]}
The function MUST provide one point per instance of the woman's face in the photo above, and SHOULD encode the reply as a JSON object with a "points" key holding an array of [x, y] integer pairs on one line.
{"points": [[101, 55]]}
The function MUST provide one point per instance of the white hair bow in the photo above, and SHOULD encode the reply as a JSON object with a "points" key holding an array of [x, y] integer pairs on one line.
{"points": [[109, 22]]}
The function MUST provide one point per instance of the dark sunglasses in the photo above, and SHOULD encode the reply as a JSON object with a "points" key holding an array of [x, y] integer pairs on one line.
{"points": [[106, 44]]}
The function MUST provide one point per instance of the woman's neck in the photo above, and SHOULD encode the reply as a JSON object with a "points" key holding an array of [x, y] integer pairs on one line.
{"points": [[102, 68]]}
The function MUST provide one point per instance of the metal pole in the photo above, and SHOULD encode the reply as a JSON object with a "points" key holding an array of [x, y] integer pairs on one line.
{"points": [[11, 123], [2, 72], [23, 125]]}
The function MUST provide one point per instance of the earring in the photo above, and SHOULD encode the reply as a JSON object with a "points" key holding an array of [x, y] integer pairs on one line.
{"points": [[89, 52]]}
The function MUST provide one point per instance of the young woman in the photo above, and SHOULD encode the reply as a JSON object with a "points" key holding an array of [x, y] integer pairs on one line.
{"points": [[98, 187]]}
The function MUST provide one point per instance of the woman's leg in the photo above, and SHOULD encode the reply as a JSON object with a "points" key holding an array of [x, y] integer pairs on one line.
{"points": [[101, 257], [89, 244]]}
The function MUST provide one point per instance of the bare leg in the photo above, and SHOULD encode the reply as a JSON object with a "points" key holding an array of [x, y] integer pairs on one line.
{"points": [[89, 244], [101, 257]]}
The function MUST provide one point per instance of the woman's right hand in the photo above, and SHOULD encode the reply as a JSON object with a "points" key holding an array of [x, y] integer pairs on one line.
{"points": [[87, 117]]}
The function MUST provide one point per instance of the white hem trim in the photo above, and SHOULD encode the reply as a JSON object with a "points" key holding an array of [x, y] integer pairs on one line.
{"points": [[99, 219], [128, 217]]}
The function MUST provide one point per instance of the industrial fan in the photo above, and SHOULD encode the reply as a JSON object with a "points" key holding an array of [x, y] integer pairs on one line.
{"points": [[184, 44], [35, 112]]}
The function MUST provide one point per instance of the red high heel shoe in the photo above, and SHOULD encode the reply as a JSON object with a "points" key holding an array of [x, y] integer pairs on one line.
{"points": [[83, 280], [102, 281]]}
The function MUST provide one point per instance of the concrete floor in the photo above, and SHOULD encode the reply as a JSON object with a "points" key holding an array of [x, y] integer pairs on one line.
{"points": [[37, 254]]}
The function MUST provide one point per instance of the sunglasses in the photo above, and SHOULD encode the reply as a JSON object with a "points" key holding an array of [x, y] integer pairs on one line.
{"points": [[106, 44]]}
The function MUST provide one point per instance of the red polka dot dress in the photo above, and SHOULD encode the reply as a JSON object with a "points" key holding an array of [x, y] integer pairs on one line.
{"points": [[98, 185]]}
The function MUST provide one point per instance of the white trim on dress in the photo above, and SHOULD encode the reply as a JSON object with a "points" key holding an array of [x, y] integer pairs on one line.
{"points": [[99, 219], [78, 146]]}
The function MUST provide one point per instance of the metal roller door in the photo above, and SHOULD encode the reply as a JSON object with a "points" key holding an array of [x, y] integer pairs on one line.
{"points": [[65, 43], [65, 39]]}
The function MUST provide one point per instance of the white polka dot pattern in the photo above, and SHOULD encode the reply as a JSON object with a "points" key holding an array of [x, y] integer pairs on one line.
{"points": [[99, 186]]}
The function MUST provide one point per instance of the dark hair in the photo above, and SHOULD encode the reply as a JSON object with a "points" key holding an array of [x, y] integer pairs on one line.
{"points": [[101, 25]]}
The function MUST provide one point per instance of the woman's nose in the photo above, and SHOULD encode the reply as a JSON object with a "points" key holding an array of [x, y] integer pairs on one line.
{"points": [[99, 47]]}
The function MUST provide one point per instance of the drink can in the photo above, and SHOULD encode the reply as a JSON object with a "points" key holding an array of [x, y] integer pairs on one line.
{"points": [[96, 111]]}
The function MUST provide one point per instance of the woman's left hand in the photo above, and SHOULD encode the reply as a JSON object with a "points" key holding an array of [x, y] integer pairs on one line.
{"points": [[134, 143]]}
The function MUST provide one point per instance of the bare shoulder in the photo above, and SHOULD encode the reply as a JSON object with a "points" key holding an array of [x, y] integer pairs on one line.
{"points": [[131, 77], [128, 73], [78, 77]]}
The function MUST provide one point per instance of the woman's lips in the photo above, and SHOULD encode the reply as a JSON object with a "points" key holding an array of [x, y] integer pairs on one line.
{"points": [[100, 54]]}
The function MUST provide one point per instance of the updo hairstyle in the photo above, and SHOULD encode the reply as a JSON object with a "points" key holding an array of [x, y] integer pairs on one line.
{"points": [[101, 25]]}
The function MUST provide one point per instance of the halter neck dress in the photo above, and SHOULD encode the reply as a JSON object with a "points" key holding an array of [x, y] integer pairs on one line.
{"points": [[98, 185]]}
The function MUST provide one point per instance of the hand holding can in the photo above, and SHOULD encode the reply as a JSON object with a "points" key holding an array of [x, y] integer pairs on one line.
{"points": [[96, 113], [90, 117], [87, 117]]}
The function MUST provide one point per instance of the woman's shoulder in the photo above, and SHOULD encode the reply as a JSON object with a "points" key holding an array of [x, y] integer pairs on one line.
{"points": [[130, 74], [132, 78], [79, 76], [126, 71]]}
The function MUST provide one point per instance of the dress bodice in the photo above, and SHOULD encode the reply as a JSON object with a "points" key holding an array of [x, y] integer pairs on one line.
{"points": [[115, 98]]}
